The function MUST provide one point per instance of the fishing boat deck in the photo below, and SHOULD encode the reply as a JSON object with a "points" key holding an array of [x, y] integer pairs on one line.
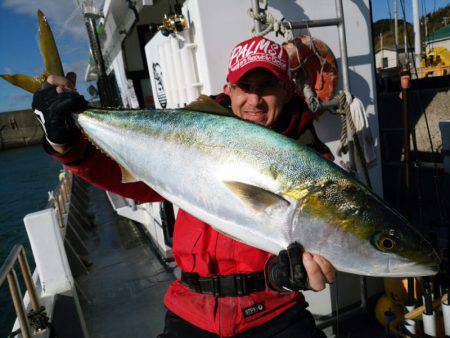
{"points": [[122, 295]]}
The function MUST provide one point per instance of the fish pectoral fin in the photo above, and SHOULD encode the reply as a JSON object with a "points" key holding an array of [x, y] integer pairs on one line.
{"points": [[256, 198], [127, 177]]}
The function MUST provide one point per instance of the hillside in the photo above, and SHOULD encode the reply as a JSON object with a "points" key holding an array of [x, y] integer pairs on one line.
{"points": [[386, 27], [436, 20]]}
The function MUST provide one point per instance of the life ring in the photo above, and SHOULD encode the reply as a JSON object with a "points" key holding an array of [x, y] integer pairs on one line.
{"points": [[306, 58]]}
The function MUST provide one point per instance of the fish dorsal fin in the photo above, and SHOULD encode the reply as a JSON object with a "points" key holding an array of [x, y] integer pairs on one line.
{"points": [[206, 104], [256, 198], [50, 55], [127, 177]]}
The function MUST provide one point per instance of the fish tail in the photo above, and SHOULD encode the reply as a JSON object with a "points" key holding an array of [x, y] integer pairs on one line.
{"points": [[50, 55], [49, 51], [29, 83]]}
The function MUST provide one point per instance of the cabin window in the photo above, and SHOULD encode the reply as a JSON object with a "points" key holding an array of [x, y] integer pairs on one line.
{"points": [[385, 63]]}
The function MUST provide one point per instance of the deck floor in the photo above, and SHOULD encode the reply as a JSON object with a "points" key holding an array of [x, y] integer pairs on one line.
{"points": [[122, 295]]}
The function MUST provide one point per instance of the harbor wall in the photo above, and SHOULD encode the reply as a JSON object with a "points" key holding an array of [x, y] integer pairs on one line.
{"points": [[19, 129]]}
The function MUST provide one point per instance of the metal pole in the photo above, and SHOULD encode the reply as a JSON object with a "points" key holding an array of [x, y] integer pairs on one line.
{"points": [[106, 96], [417, 38], [58, 212], [343, 46], [61, 202], [381, 48], [396, 32], [407, 150], [405, 42], [64, 190], [405, 84], [312, 23], [26, 273], [16, 295], [256, 22], [396, 23]]}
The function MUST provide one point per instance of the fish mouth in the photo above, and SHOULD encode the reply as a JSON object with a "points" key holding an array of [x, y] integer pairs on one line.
{"points": [[393, 268], [411, 269], [415, 270]]}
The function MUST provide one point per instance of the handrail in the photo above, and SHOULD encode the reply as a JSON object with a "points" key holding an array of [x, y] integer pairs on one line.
{"points": [[7, 272], [60, 197]]}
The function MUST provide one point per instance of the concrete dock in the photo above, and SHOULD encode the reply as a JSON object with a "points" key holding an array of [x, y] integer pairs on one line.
{"points": [[18, 129]]}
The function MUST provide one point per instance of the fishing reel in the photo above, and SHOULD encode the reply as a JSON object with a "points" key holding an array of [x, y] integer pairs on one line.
{"points": [[173, 23]]}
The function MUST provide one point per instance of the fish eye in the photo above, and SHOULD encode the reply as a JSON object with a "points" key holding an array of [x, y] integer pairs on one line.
{"points": [[385, 242]]}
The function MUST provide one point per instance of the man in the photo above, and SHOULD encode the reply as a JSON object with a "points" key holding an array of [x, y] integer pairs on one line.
{"points": [[227, 288]]}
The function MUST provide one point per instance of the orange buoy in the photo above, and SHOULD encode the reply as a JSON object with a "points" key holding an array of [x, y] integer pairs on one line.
{"points": [[385, 304], [313, 60]]}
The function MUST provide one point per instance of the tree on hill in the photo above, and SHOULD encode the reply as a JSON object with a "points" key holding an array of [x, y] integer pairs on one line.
{"points": [[433, 21], [386, 28], [436, 20]]}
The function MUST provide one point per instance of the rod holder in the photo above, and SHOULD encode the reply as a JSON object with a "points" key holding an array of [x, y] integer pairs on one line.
{"points": [[429, 324], [410, 324], [446, 317]]}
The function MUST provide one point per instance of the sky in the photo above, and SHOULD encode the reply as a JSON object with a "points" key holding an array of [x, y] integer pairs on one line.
{"points": [[380, 8], [19, 46]]}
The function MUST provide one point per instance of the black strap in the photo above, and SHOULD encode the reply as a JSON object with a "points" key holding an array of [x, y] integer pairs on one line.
{"points": [[225, 286]]}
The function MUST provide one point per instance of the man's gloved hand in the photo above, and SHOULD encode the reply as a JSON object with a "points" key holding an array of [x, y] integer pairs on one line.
{"points": [[295, 270], [53, 108]]}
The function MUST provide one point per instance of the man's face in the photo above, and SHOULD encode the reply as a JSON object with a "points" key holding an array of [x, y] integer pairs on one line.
{"points": [[259, 97]]}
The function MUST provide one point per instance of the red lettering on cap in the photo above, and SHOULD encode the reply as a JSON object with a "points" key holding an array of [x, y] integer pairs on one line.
{"points": [[254, 53]]}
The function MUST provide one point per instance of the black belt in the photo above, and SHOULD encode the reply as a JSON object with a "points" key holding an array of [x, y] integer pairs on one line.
{"points": [[225, 286]]}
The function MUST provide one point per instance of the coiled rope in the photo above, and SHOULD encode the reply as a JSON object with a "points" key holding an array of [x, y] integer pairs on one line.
{"points": [[347, 125], [344, 111], [268, 21]]}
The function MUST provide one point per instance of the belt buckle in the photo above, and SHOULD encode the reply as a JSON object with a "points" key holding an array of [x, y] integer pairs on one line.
{"points": [[216, 286], [193, 281], [241, 285]]}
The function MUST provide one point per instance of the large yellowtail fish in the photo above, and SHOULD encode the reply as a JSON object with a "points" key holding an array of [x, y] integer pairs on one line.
{"points": [[261, 188]]}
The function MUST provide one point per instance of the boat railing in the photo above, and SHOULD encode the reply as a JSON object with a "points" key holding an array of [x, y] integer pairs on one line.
{"points": [[59, 198], [35, 320], [7, 272]]}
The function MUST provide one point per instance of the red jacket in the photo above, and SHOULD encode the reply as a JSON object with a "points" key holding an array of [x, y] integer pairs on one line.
{"points": [[197, 247]]}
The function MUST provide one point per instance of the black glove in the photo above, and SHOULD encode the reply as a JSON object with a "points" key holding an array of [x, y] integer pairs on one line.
{"points": [[286, 271], [54, 112]]}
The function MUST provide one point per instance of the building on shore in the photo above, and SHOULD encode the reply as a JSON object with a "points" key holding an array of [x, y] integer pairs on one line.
{"points": [[387, 57], [439, 38]]}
